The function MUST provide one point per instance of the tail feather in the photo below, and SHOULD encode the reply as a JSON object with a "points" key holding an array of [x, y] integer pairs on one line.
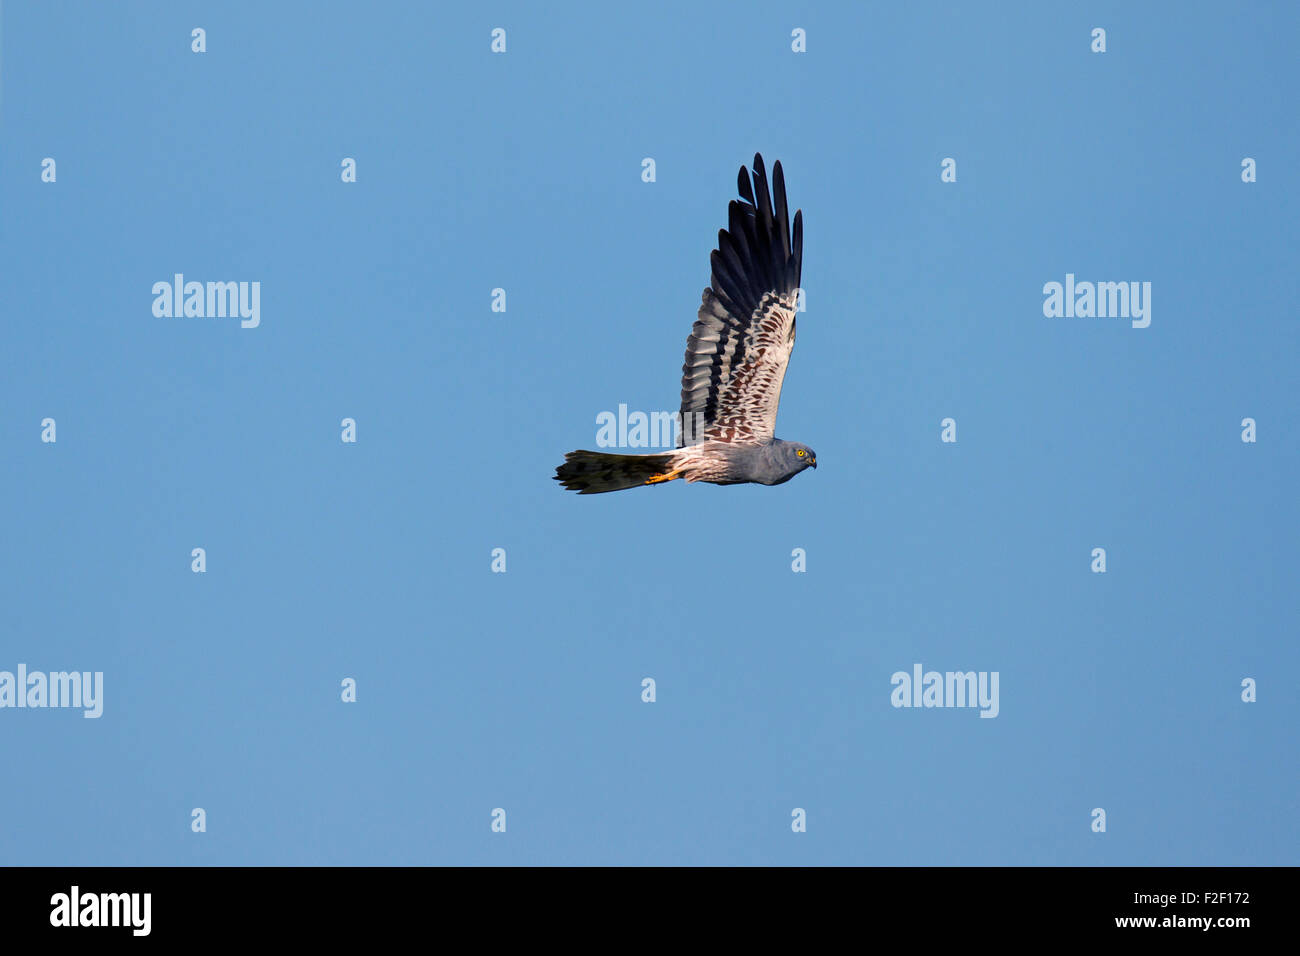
{"points": [[595, 472]]}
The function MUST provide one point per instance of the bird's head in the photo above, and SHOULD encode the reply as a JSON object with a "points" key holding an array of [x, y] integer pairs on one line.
{"points": [[801, 456]]}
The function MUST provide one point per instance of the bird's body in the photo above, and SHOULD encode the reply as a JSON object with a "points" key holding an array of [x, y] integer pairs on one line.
{"points": [[717, 462], [736, 358]]}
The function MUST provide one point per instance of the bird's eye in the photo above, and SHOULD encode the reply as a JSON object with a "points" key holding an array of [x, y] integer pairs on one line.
{"points": [[800, 453]]}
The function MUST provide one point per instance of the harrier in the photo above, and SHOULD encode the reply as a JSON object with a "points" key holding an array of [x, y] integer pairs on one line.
{"points": [[735, 361]]}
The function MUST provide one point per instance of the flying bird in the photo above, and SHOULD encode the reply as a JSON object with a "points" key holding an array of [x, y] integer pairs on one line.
{"points": [[736, 357]]}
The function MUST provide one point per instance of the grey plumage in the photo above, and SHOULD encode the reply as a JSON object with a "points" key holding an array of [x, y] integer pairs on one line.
{"points": [[736, 357]]}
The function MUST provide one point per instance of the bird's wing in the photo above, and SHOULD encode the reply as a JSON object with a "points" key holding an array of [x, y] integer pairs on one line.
{"points": [[738, 351]]}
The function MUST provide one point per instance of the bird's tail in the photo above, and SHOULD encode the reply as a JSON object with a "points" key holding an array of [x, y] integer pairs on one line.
{"points": [[595, 472]]}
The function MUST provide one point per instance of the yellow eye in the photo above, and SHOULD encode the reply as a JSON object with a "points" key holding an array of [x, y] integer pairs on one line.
{"points": [[800, 452]]}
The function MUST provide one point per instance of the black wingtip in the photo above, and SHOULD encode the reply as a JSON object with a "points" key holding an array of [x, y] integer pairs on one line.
{"points": [[760, 229], [797, 247], [742, 183], [782, 212], [760, 172]]}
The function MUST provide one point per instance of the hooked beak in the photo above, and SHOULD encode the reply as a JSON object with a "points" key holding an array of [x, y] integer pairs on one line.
{"points": [[813, 462]]}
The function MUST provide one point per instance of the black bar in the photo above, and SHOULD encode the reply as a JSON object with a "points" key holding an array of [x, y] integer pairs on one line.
{"points": [[367, 904]]}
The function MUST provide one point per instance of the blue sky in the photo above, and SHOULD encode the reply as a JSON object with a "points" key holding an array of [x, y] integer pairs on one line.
{"points": [[522, 690]]}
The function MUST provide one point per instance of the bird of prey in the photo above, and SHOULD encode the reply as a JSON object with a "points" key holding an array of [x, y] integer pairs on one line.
{"points": [[735, 361]]}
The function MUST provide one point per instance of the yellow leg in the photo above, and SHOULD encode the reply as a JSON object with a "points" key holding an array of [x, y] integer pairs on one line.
{"points": [[668, 477]]}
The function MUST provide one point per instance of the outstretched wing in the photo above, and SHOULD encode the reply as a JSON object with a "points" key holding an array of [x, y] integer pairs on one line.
{"points": [[738, 351]]}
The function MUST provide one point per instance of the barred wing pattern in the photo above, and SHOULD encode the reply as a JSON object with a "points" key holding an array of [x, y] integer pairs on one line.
{"points": [[737, 353]]}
